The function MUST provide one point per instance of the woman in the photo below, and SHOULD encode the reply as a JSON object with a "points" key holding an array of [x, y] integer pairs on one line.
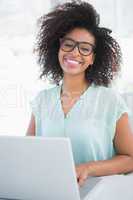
{"points": [[75, 50]]}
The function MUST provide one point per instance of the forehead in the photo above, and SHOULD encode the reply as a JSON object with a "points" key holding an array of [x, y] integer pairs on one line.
{"points": [[81, 35]]}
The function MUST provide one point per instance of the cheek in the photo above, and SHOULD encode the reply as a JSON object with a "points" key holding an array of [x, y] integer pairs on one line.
{"points": [[89, 60]]}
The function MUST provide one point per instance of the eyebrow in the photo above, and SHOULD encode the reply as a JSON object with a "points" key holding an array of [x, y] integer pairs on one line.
{"points": [[68, 38]]}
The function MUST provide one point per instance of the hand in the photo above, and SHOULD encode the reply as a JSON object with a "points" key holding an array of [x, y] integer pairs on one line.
{"points": [[82, 173]]}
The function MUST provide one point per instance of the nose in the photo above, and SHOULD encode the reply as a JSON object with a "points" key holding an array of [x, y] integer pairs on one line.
{"points": [[76, 50]]}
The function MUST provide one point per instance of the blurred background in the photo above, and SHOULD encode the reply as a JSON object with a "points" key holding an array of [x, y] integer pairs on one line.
{"points": [[19, 72]]}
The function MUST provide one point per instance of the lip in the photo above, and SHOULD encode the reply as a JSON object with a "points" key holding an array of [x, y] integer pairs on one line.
{"points": [[73, 61]]}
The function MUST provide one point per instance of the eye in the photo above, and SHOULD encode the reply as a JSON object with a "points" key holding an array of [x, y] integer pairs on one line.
{"points": [[68, 43], [85, 49]]}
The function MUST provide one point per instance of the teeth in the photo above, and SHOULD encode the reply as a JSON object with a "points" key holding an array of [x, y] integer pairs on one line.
{"points": [[73, 61]]}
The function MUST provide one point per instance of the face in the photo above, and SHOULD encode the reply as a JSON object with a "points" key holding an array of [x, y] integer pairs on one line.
{"points": [[75, 59]]}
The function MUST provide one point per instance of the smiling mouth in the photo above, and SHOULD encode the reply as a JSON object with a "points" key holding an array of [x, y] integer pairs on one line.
{"points": [[72, 61]]}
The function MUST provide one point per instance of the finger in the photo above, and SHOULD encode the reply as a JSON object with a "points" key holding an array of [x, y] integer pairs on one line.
{"points": [[84, 176], [82, 179], [78, 173], [81, 182]]}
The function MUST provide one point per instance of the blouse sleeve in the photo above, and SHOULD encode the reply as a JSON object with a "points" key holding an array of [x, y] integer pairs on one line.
{"points": [[121, 107], [117, 108], [36, 106]]}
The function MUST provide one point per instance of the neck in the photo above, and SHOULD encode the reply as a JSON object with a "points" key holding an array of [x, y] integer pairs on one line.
{"points": [[74, 84]]}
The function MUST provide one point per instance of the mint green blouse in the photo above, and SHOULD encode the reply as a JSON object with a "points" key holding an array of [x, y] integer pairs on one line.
{"points": [[90, 124]]}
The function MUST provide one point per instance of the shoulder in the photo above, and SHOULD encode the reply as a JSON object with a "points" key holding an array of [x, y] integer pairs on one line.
{"points": [[45, 95], [109, 97], [113, 99], [107, 93], [47, 92], [44, 98]]}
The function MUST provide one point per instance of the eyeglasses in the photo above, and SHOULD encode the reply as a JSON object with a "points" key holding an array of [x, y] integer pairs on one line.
{"points": [[68, 45]]}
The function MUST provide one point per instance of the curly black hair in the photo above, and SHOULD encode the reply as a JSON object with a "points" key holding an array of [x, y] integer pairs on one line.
{"points": [[64, 18]]}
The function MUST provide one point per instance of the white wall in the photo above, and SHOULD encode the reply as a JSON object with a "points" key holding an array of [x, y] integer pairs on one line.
{"points": [[18, 69]]}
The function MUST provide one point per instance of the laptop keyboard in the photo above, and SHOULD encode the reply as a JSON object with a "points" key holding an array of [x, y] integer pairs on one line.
{"points": [[90, 183]]}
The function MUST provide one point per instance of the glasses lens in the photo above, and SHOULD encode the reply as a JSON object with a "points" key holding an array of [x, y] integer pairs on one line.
{"points": [[67, 45], [85, 48]]}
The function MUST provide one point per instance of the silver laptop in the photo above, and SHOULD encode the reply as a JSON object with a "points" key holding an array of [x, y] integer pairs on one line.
{"points": [[39, 168]]}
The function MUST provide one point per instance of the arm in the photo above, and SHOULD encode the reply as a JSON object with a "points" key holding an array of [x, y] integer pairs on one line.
{"points": [[31, 127], [121, 163]]}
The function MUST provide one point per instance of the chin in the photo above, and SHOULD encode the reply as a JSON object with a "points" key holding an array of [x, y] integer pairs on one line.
{"points": [[72, 72]]}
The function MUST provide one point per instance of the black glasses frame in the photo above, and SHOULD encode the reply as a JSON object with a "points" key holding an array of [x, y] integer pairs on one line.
{"points": [[76, 44]]}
